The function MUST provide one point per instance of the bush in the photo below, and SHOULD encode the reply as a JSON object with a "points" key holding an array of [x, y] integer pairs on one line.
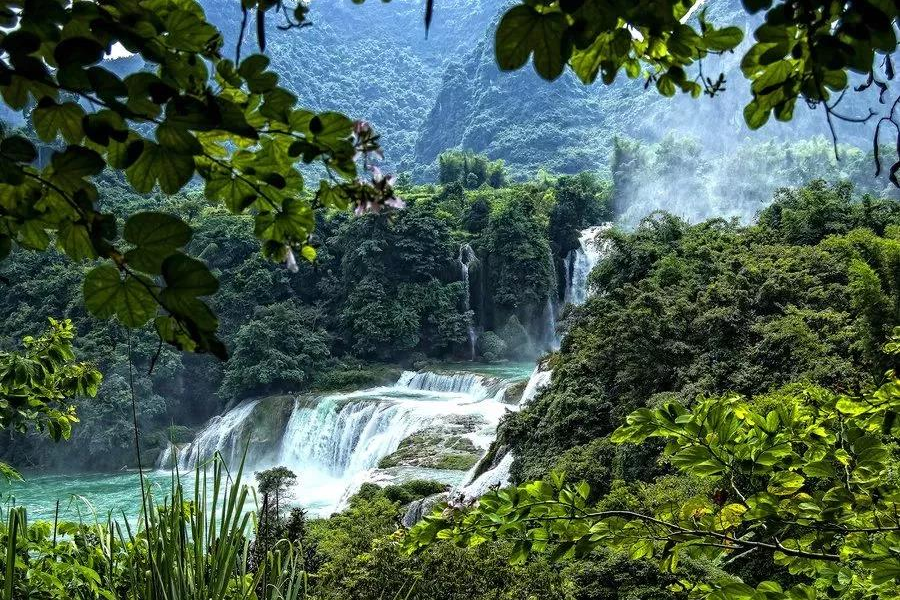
{"points": [[491, 347]]}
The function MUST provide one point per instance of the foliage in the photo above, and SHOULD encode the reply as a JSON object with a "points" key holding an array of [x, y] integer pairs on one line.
{"points": [[191, 112], [38, 384], [360, 559], [806, 479], [491, 346], [716, 307], [581, 201], [803, 50], [470, 169], [281, 348], [192, 547]]}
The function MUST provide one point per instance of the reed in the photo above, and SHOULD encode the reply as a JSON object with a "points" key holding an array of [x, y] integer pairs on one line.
{"points": [[188, 547]]}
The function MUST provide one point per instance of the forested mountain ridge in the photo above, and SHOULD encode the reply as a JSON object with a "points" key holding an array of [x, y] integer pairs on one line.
{"points": [[428, 94]]}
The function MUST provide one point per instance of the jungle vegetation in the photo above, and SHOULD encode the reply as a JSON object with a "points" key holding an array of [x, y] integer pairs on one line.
{"points": [[762, 353]]}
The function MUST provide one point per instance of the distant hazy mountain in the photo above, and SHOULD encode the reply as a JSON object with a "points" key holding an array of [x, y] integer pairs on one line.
{"points": [[373, 61]]}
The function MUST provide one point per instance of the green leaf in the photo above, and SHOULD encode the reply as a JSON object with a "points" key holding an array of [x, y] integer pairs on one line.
{"points": [[51, 119], [79, 51], [278, 104], [187, 31], [107, 294], [75, 241], [523, 31], [333, 196], [188, 276], [157, 164], [785, 483], [156, 236], [723, 39], [755, 115], [70, 167], [252, 69], [156, 229], [330, 128], [293, 222], [178, 139], [18, 149], [236, 193]]}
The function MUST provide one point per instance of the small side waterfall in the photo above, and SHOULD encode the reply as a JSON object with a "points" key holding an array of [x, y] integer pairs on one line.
{"points": [[466, 259], [550, 335], [496, 476], [482, 477], [539, 379], [225, 433], [581, 261]]}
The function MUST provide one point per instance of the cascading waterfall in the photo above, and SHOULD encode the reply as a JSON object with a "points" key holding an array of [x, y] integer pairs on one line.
{"points": [[224, 433], [550, 336], [581, 261], [466, 259], [335, 442], [539, 379], [496, 476], [479, 479], [456, 383]]}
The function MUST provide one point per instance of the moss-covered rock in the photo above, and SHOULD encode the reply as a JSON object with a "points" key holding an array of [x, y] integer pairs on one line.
{"points": [[445, 447]]}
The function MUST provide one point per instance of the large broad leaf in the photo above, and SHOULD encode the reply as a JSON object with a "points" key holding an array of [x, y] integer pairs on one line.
{"points": [[156, 236], [187, 31], [156, 229], [70, 167], [523, 31], [236, 193], [723, 39], [785, 483], [188, 276], [51, 119], [106, 294], [18, 149], [253, 70], [157, 164], [293, 222], [75, 241]]}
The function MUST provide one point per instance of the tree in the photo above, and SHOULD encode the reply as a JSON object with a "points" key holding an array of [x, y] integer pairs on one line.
{"points": [[38, 384], [804, 50], [280, 348], [191, 113], [804, 478]]}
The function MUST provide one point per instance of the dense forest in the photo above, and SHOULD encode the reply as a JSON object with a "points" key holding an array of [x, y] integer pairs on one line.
{"points": [[274, 278]]}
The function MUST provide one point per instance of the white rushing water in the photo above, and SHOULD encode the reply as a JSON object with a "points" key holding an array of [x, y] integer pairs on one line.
{"points": [[335, 442], [223, 433], [479, 480], [582, 260], [466, 259]]}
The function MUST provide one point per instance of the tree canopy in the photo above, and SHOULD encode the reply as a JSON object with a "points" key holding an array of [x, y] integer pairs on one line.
{"points": [[190, 113]]}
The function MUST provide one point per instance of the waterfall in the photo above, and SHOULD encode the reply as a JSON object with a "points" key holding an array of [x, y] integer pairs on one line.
{"points": [[417, 509], [538, 380], [581, 261], [225, 433], [466, 259], [550, 335], [480, 479], [335, 442], [457, 383], [496, 476]]}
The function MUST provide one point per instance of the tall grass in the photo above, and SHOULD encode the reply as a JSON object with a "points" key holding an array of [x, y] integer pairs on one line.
{"points": [[189, 547]]}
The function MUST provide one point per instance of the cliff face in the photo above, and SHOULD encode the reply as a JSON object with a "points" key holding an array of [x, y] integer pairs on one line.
{"points": [[425, 95]]}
